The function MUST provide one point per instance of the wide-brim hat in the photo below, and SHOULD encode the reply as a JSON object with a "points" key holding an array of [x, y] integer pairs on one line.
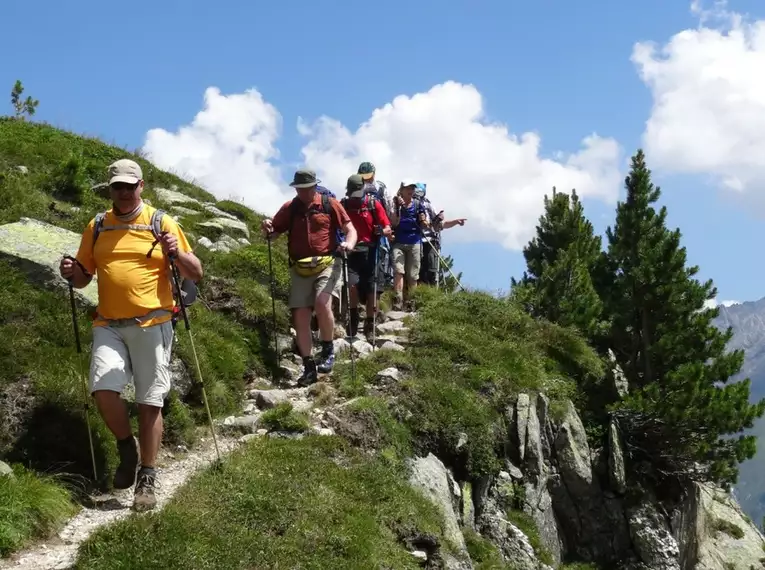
{"points": [[304, 179]]}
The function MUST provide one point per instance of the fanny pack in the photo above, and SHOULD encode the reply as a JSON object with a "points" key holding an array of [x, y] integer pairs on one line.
{"points": [[310, 266]]}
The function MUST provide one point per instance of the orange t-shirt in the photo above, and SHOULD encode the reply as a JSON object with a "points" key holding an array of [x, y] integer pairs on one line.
{"points": [[130, 284]]}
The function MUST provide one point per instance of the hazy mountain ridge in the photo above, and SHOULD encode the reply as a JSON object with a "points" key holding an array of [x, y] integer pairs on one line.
{"points": [[748, 323]]}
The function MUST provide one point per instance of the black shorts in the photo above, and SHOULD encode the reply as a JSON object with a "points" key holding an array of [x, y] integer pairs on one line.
{"points": [[362, 271]]}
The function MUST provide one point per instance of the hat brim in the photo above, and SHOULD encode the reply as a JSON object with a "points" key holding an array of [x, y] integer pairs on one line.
{"points": [[305, 184], [126, 179], [357, 193], [366, 175]]}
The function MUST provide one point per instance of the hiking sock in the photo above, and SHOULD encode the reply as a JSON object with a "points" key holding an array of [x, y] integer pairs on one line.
{"points": [[369, 326], [353, 326], [327, 348], [124, 476]]}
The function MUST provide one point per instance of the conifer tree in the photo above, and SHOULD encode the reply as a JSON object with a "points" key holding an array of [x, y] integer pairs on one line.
{"points": [[681, 404], [557, 284]]}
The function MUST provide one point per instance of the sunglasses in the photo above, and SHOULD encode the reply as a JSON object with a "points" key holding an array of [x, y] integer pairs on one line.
{"points": [[124, 187]]}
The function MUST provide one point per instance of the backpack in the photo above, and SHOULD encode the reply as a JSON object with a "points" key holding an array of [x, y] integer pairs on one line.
{"points": [[188, 287], [325, 209], [368, 204]]}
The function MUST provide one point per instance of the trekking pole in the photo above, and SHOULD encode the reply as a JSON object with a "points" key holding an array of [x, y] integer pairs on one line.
{"points": [[273, 307], [440, 261], [348, 312], [177, 282], [76, 327]]}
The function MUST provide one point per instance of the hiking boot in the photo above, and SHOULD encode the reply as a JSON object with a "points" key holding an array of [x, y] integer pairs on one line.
{"points": [[145, 499], [124, 476], [309, 375], [327, 363]]}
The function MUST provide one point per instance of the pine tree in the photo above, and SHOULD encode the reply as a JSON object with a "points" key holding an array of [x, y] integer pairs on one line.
{"points": [[557, 284], [447, 280], [21, 106], [681, 406]]}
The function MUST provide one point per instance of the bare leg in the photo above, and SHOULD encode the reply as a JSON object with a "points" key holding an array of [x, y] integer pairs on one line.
{"points": [[323, 308], [301, 319], [149, 433], [114, 413]]}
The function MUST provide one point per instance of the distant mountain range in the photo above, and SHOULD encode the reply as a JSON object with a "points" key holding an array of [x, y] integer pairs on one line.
{"points": [[748, 322]]}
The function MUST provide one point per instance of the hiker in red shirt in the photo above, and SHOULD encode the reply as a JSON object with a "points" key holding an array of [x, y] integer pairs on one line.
{"points": [[370, 220], [312, 220]]}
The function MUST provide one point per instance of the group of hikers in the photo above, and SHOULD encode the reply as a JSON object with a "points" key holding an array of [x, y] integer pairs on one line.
{"points": [[141, 255]]}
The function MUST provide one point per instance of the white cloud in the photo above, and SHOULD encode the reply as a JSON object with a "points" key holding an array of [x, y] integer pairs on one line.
{"points": [[712, 303], [474, 168], [229, 148], [708, 114]]}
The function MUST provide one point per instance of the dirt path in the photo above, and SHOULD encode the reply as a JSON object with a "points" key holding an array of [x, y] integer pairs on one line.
{"points": [[60, 552]]}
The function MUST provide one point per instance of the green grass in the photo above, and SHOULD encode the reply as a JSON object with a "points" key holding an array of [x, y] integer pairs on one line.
{"points": [[526, 524], [31, 507], [484, 554], [283, 417], [471, 355], [41, 403], [312, 504]]}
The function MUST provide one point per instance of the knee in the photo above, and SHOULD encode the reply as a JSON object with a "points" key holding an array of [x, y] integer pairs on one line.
{"points": [[323, 304]]}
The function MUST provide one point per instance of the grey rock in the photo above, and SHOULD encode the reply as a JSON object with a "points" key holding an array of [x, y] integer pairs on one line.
{"points": [[388, 376], [225, 224], [341, 345], [390, 345], [244, 241], [180, 377], [431, 478], [182, 211], [267, 399], [6, 470], [37, 248], [206, 242], [362, 347], [217, 211], [22, 169], [616, 469], [391, 327], [242, 424], [397, 315], [652, 539], [173, 197]]}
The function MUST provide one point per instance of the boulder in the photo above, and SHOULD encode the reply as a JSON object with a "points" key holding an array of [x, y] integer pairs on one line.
{"points": [[433, 480], [37, 249], [713, 532], [6, 470], [173, 197], [226, 224]]}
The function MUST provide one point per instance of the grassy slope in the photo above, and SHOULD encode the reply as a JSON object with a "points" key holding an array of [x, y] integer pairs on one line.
{"points": [[35, 325], [472, 354], [459, 380]]}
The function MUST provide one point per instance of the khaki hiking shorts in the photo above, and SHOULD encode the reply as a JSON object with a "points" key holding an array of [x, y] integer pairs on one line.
{"points": [[304, 290], [407, 259], [133, 352]]}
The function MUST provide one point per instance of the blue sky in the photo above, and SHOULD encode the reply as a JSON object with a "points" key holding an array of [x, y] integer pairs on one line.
{"points": [[556, 68]]}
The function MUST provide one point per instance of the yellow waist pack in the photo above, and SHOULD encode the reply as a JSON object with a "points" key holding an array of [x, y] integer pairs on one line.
{"points": [[310, 266]]}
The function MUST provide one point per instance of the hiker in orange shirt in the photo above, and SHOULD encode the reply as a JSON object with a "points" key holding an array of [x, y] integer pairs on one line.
{"points": [[132, 331]]}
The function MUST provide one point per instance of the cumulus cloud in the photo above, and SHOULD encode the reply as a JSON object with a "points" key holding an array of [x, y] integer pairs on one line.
{"points": [[708, 114], [712, 303], [229, 148], [474, 168]]}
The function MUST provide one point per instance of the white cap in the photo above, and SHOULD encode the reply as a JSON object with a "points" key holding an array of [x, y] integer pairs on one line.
{"points": [[125, 170], [408, 182]]}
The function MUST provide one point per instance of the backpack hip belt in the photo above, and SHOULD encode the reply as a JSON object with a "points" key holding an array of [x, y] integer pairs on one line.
{"points": [[118, 323]]}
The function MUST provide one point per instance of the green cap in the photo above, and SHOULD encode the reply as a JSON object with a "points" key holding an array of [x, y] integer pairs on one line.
{"points": [[367, 170], [355, 184]]}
